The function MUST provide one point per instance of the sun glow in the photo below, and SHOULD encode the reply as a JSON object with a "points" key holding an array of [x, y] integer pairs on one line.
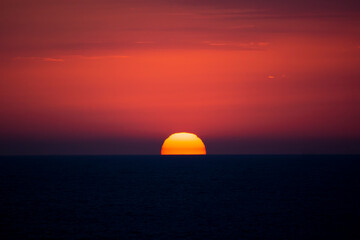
{"points": [[183, 144]]}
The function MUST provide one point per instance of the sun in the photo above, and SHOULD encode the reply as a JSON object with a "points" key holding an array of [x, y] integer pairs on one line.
{"points": [[183, 143]]}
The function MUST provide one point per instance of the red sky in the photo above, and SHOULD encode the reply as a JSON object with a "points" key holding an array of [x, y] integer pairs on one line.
{"points": [[118, 77]]}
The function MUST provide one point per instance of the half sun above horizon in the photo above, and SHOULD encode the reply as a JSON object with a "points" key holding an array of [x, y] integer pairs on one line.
{"points": [[183, 143]]}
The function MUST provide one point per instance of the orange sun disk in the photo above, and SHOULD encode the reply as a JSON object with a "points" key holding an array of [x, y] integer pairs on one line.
{"points": [[183, 144]]}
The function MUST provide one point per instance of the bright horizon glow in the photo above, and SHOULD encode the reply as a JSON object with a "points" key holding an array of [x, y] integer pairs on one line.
{"points": [[183, 143]]}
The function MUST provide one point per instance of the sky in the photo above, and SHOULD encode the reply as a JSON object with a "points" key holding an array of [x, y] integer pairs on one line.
{"points": [[118, 77]]}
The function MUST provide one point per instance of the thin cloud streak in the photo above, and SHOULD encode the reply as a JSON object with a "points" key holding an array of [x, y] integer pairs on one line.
{"points": [[43, 59], [64, 58]]}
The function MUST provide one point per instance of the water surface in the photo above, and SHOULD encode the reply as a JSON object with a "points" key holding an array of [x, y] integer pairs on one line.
{"points": [[180, 197]]}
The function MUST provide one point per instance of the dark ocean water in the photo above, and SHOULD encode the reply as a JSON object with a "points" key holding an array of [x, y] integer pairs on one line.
{"points": [[157, 197]]}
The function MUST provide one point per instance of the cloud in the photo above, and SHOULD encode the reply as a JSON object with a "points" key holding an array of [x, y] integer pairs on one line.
{"points": [[62, 59], [239, 45], [274, 5], [103, 27], [144, 42], [43, 59], [239, 14], [100, 57], [273, 76]]}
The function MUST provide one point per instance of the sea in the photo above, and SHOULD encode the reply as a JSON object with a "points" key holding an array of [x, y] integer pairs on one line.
{"points": [[180, 197]]}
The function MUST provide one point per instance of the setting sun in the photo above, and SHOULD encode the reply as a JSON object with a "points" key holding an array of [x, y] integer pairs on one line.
{"points": [[183, 144]]}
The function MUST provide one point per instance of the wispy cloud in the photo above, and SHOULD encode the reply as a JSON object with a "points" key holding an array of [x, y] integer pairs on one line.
{"points": [[144, 42], [239, 45], [100, 57], [274, 76], [64, 58], [256, 13], [43, 59]]}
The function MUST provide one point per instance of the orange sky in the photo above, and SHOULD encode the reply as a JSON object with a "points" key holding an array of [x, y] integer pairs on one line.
{"points": [[105, 76]]}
